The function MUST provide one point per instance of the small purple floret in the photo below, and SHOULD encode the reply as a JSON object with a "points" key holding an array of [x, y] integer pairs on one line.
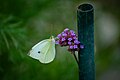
{"points": [[69, 43], [74, 37], [69, 39], [81, 46], [73, 34], [65, 30], [71, 31], [63, 39], [64, 34], [76, 42], [59, 35], [71, 47], [75, 46], [57, 42]]}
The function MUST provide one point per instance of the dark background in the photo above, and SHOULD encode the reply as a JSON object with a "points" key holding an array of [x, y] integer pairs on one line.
{"points": [[23, 23]]}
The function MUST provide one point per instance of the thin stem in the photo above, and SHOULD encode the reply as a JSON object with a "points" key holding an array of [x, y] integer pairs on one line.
{"points": [[75, 58]]}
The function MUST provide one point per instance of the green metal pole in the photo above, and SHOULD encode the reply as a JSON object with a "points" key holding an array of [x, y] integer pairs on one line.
{"points": [[85, 21]]}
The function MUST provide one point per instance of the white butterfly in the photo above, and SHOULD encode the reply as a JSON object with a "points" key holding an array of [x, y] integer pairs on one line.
{"points": [[44, 51]]}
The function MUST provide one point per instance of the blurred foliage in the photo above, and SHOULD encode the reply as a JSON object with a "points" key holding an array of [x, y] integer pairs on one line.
{"points": [[12, 44], [23, 23], [17, 35]]}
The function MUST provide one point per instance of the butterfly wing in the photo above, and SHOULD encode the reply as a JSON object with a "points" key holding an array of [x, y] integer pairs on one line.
{"points": [[48, 52], [36, 50], [44, 51]]}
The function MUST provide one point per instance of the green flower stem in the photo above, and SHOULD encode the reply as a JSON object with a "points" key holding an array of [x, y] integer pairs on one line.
{"points": [[75, 58]]}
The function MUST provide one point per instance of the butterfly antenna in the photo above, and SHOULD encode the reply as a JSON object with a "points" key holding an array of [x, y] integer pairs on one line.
{"points": [[51, 30]]}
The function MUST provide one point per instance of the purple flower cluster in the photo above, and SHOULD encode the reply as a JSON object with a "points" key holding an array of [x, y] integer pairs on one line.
{"points": [[69, 38]]}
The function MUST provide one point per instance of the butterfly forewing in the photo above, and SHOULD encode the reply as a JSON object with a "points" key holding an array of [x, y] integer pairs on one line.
{"points": [[44, 51], [36, 50]]}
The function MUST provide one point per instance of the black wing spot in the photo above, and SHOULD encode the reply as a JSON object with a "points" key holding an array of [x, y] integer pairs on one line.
{"points": [[38, 51]]}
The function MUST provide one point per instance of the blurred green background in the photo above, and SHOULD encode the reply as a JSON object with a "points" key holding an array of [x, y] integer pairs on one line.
{"points": [[23, 23]]}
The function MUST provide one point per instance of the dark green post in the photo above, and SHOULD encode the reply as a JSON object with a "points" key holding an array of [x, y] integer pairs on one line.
{"points": [[85, 21]]}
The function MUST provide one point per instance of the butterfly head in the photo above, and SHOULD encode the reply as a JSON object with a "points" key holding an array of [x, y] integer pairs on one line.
{"points": [[52, 38]]}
